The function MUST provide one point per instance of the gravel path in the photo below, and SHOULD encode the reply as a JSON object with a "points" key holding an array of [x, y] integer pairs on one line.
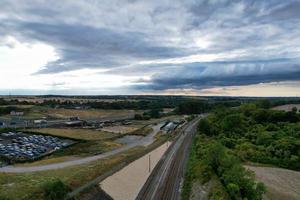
{"points": [[145, 141]]}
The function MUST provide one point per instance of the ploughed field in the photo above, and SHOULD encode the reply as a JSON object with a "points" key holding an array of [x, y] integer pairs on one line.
{"points": [[282, 184], [287, 107]]}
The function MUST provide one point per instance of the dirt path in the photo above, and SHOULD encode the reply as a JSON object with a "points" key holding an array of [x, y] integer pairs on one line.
{"points": [[282, 184], [145, 141]]}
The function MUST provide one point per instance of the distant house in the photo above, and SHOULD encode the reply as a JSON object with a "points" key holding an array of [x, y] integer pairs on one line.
{"points": [[15, 113], [2, 124]]}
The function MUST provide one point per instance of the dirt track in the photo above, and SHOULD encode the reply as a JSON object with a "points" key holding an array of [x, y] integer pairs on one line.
{"points": [[282, 184]]}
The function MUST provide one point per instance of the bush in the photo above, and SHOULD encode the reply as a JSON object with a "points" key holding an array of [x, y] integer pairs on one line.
{"points": [[55, 190], [238, 181], [138, 117], [204, 126], [4, 198]]}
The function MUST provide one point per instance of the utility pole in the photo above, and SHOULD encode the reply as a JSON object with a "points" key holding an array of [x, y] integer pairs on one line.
{"points": [[149, 163]]}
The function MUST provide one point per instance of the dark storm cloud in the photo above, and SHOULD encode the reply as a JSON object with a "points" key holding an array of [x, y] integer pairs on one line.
{"points": [[211, 74], [207, 82], [259, 39]]}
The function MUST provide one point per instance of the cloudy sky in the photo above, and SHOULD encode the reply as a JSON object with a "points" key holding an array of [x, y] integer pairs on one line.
{"points": [[192, 47]]}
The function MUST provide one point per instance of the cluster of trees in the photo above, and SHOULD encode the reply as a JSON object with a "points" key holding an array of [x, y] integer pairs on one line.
{"points": [[184, 105], [122, 104], [210, 158], [7, 109], [203, 106], [251, 132], [52, 190], [153, 113], [257, 134]]}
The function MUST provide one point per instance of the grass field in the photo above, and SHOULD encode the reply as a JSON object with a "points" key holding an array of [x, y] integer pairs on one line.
{"points": [[81, 134], [36, 112], [87, 148], [88, 114], [33, 99], [48, 160]]}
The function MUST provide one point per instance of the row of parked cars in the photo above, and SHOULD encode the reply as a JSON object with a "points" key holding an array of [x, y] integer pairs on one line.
{"points": [[29, 146]]}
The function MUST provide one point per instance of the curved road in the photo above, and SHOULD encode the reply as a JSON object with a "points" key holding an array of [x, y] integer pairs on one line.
{"points": [[145, 141]]}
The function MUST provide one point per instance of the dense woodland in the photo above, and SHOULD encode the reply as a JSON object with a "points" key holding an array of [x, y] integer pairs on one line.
{"points": [[257, 134], [251, 133]]}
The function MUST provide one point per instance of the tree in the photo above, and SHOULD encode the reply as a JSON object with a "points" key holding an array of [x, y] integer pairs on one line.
{"points": [[266, 104], [154, 113], [260, 189], [205, 127], [233, 123], [138, 117]]}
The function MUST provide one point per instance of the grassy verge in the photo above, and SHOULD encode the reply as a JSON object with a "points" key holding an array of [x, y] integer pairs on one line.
{"points": [[87, 114]]}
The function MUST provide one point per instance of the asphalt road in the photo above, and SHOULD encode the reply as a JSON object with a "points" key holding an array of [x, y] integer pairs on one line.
{"points": [[145, 141], [166, 180]]}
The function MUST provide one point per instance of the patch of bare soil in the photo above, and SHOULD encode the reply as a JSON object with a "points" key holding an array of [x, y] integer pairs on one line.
{"points": [[126, 183], [287, 107], [282, 184], [200, 191], [119, 129]]}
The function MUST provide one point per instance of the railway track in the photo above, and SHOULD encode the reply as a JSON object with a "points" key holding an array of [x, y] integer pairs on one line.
{"points": [[166, 180]]}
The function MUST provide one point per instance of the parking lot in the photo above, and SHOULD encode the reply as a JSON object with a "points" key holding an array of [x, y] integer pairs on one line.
{"points": [[18, 146]]}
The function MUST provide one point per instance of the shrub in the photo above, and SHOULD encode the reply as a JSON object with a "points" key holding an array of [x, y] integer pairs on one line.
{"points": [[55, 190]]}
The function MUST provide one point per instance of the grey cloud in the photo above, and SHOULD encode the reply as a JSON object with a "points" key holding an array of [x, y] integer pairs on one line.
{"points": [[288, 11], [88, 47], [118, 35], [214, 74]]}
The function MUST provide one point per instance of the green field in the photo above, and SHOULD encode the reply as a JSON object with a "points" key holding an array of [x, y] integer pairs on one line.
{"points": [[80, 134]]}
